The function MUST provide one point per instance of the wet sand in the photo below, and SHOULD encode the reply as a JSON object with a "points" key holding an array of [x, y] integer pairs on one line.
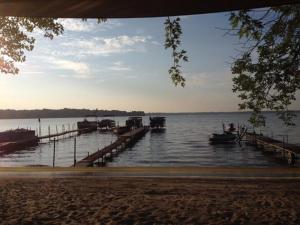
{"points": [[135, 200]]}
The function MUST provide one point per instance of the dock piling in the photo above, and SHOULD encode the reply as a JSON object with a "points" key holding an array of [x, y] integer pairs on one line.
{"points": [[108, 152], [54, 153], [282, 148], [74, 152], [40, 128], [49, 133]]}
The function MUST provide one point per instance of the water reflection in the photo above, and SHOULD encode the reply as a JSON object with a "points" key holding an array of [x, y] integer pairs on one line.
{"points": [[183, 143]]}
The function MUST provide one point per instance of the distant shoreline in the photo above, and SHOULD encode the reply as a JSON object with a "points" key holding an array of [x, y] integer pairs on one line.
{"points": [[79, 113], [64, 113], [195, 113]]}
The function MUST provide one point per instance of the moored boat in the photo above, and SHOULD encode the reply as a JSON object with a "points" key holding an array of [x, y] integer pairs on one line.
{"points": [[131, 123], [106, 124], [87, 126], [229, 136], [158, 122], [13, 140], [120, 130], [134, 122], [223, 138], [17, 134]]}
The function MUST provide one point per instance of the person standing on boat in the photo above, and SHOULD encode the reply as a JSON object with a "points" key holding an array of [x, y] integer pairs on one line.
{"points": [[231, 128]]}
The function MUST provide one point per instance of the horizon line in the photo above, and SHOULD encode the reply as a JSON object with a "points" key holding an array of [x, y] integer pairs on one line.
{"points": [[180, 112]]}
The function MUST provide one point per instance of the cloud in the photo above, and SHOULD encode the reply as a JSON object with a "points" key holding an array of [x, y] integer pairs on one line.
{"points": [[109, 25], [184, 17], [30, 69], [32, 72], [196, 79], [80, 70], [205, 79], [78, 25], [105, 46], [119, 66], [156, 43]]}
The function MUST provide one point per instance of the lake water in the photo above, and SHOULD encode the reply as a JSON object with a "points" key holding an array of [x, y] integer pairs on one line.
{"points": [[184, 143]]}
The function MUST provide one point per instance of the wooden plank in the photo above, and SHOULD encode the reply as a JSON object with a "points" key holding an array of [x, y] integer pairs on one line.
{"points": [[276, 143], [132, 135], [133, 132], [62, 133], [10, 147]]}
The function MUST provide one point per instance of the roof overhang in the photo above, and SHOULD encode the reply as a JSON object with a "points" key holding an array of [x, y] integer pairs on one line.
{"points": [[126, 8]]}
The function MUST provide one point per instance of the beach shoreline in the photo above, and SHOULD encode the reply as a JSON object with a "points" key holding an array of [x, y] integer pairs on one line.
{"points": [[197, 172], [147, 200]]}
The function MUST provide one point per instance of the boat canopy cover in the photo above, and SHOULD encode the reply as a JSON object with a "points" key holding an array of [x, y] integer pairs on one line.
{"points": [[126, 8]]}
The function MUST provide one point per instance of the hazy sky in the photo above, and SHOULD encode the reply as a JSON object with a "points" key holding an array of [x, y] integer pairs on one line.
{"points": [[122, 64]]}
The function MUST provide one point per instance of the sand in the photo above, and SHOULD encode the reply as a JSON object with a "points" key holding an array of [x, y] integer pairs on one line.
{"points": [[148, 201]]}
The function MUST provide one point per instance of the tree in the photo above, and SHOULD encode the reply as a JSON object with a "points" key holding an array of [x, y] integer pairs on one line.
{"points": [[173, 41], [267, 73], [15, 38]]}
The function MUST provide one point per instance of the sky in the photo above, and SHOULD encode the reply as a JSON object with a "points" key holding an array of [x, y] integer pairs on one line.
{"points": [[122, 64]]}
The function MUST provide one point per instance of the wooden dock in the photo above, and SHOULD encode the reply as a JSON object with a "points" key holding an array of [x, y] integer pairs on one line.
{"points": [[288, 151], [114, 148], [64, 133], [10, 147]]}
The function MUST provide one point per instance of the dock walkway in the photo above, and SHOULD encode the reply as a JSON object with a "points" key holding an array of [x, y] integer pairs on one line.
{"points": [[10, 147], [64, 133], [288, 151], [120, 144]]}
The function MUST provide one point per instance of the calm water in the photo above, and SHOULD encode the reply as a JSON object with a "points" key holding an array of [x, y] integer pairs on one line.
{"points": [[184, 143]]}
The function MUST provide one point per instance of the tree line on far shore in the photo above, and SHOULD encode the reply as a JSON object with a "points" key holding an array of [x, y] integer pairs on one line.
{"points": [[63, 113]]}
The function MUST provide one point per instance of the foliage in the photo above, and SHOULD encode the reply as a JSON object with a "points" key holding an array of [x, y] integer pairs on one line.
{"points": [[173, 34], [267, 72], [15, 38], [99, 20]]}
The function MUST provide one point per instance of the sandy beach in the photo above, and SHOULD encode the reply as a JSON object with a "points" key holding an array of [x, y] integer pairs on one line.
{"points": [[79, 200]]}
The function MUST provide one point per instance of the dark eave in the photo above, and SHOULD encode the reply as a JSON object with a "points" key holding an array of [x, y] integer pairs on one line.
{"points": [[126, 8]]}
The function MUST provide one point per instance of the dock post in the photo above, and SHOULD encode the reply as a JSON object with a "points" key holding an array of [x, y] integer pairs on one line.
{"points": [[74, 152], [49, 133], [63, 130], [40, 129], [54, 153], [283, 141]]}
